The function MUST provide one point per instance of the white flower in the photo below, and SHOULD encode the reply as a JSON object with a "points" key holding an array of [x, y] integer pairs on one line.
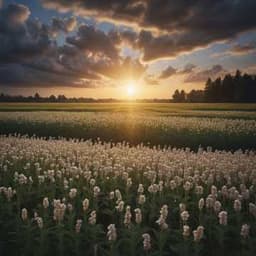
{"points": [[92, 218], [45, 203], [85, 204], [138, 215], [78, 225], [141, 199], [72, 193], [127, 216], [146, 241], [184, 216], [223, 218], [245, 229], [198, 233], [111, 234], [24, 214], [186, 231]]}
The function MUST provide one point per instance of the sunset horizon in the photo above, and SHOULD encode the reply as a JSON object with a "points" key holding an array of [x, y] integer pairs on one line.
{"points": [[94, 49]]}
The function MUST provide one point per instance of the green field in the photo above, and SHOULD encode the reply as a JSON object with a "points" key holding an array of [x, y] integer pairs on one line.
{"points": [[132, 179], [128, 106], [221, 126]]}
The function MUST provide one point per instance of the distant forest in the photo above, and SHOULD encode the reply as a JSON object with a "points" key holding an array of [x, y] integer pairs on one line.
{"points": [[237, 88], [63, 99]]}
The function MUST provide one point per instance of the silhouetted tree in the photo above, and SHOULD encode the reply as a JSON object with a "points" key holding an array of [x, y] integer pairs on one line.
{"points": [[176, 96], [238, 88]]}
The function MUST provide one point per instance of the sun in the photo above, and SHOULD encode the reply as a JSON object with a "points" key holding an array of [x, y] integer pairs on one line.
{"points": [[131, 89]]}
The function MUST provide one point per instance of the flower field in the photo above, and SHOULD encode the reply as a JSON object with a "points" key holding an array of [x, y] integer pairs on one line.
{"points": [[75, 197], [221, 132]]}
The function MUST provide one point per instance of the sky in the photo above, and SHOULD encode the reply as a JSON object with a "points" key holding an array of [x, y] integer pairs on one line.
{"points": [[122, 48]]}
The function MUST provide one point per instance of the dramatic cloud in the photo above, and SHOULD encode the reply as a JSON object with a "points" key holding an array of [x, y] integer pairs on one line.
{"points": [[65, 25], [89, 39], [166, 73], [203, 75], [184, 25], [30, 56], [242, 49], [187, 69]]}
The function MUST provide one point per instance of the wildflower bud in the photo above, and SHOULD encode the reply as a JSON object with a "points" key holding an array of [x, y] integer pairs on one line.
{"points": [[214, 191], [199, 190], [39, 222], [111, 195], [59, 210], [209, 202], [146, 241], [9, 192], [120, 206], [111, 234], [237, 205], [129, 182], [161, 185], [85, 204], [45, 203], [182, 207], [245, 229], [140, 189], [217, 206], [92, 218], [24, 214], [224, 191], [153, 189], [252, 209], [141, 199], [92, 182], [198, 233], [118, 195], [162, 218], [78, 225], [138, 215], [96, 191], [72, 193], [127, 216], [201, 204], [184, 216], [186, 231], [223, 217]]}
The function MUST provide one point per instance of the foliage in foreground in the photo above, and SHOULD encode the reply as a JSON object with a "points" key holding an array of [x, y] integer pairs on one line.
{"points": [[61, 197]]}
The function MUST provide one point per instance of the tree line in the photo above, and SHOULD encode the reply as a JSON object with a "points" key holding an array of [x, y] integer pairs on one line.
{"points": [[237, 88], [37, 98]]}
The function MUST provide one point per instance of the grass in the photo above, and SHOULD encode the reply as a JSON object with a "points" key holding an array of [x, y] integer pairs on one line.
{"points": [[150, 129], [128, 106]]}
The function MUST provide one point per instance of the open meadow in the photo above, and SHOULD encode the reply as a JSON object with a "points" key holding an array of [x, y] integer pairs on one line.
{"points": [[128, 179]]}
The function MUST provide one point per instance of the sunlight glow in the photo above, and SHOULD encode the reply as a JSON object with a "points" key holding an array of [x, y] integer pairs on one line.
{"points": [[131, 89]]}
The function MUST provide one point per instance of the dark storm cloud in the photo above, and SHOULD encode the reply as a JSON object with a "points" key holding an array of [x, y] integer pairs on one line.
{"points": [[242, 49], [168, 72], [120, 10], [63, 25], [184, 25], [203, 75], [20, 38], [91, 40], [17, 75], [30, 56]]}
